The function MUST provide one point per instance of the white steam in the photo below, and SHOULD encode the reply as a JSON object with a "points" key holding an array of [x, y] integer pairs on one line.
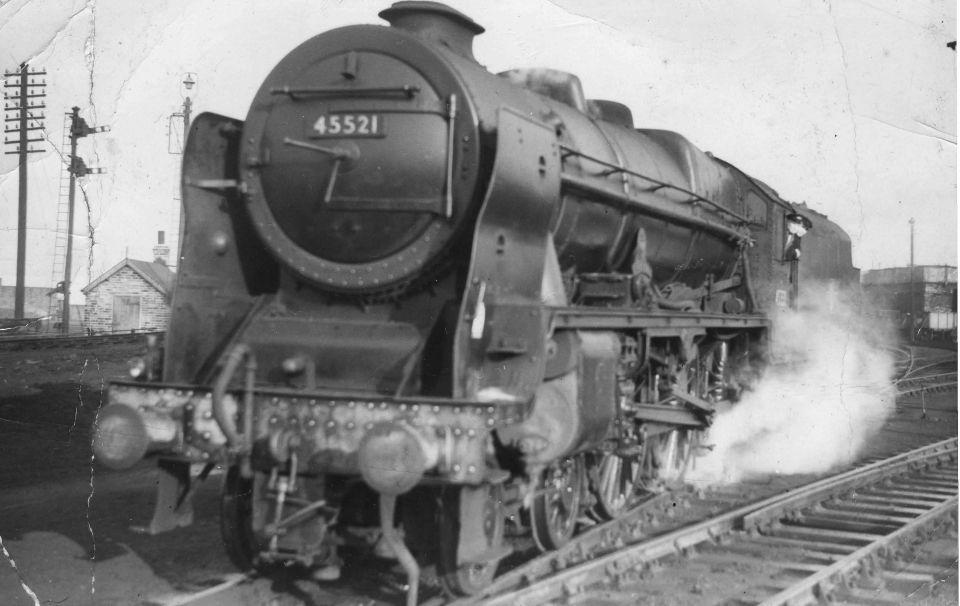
{"points": [[806, 416]]}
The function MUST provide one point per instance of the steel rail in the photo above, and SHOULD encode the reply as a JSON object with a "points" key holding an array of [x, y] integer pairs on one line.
{"points": [[905, 360], [202, 595], [819, 585], [951, 375], [803, 496], [917, 371], [571, 581], [604, 537], [50, 342], [922, 384], [918, 363]]}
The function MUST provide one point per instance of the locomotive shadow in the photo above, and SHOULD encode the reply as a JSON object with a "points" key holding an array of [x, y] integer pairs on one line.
{"points": [[46, 433], [52, 486], [45, 438]]}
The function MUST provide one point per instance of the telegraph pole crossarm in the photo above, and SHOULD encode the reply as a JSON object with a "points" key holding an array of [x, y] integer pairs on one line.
{"points": [[22, 106]]}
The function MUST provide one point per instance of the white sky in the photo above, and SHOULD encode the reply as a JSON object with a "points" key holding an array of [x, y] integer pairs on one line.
{"points": [[847, 105]]}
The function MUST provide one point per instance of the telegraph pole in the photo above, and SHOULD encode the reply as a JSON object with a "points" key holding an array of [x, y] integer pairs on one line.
{"points": [[25, 101], [913, 294], [78, 168], [911, 241]]}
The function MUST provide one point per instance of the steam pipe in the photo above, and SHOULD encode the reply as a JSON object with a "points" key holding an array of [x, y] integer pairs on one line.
{"points": [[227, 424], [251, 374], [615, 168], [747, 284], [683, 305], [676, 305], [604, 195], [388, 504]]}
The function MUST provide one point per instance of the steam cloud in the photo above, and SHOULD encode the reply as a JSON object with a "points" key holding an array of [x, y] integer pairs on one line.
{"points": [[805, 417]]}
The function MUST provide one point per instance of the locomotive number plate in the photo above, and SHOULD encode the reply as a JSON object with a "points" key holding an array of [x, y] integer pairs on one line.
{"points": [[348, 125]]}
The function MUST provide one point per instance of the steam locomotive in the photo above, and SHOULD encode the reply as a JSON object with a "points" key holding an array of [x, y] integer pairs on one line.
{"points": [[417, 300]]}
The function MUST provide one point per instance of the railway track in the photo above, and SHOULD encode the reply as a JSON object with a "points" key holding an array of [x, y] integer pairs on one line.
{"points": [[799, 545], [927, 384], [923, 377], [810, 544], [23, 342], [605, 543]]}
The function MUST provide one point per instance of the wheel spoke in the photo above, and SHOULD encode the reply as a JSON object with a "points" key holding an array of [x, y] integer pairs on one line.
{"points": [[557, 505], [612, 479]]}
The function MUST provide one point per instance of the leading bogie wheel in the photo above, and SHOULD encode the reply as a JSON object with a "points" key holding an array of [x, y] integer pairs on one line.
{"points": [[556, 506], [472, 521], [238, 497]]}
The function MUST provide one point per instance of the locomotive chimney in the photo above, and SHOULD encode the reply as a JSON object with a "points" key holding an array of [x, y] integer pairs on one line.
{"points": [[436, 23]]}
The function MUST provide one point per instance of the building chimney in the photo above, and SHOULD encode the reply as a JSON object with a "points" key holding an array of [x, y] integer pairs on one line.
{"points": [[161, 252]]}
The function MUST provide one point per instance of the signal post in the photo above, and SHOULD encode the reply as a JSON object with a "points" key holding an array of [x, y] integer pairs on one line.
{"points": [[78, 168]]}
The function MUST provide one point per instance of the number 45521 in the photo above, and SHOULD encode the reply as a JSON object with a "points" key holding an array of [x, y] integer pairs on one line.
{"points": [[348, 125]]}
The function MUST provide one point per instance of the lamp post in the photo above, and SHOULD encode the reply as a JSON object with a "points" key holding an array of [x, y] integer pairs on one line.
{"points": [[187, 84], [189, 81]]}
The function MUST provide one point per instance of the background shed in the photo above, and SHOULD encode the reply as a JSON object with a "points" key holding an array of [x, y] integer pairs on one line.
{"points": [[132, 295]]}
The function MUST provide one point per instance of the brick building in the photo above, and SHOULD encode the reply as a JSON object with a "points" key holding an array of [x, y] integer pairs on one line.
{"points": [[132, 295]]}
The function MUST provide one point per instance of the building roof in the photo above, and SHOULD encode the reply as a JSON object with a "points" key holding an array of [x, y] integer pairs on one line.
{"points": [[157, 275]]}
